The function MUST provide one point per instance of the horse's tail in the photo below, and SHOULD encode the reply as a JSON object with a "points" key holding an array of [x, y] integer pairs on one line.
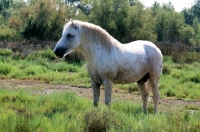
{"points": [[148, 87]]}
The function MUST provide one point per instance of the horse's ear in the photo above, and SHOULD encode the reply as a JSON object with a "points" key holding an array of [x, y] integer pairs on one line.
{"points": [[74, 24], [66, 20]]}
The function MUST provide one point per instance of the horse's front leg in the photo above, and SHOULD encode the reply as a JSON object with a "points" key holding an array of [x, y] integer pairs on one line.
{"points": [[96, 92], [108, 91]]}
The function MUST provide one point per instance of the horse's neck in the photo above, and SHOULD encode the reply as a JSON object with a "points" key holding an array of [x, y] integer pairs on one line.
{"points": [[93, 50], [89, 50]]}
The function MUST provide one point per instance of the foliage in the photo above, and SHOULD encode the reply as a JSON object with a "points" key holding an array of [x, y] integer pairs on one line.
{"points": [[180, 76], [98, 120], [192, 13], [168, 30], [196, 27], [43, 20], [126, 23], [5, 52], [5, 5], [124, 20], [65, 111]]}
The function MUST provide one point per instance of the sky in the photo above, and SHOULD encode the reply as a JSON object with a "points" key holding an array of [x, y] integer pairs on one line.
{"points": [[178, 4]]}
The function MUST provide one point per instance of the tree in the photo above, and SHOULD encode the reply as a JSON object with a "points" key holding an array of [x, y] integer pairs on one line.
{"points": [[196, 28], [196, 9], [126, 23], [110, 15], [5, 5], [44, 19], [188, 16], [168, 23], [140, 24], [186, 33]]}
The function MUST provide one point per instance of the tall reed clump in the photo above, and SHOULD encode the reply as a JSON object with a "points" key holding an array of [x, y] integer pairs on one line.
{"points": [[5, 68], [103, 119]]}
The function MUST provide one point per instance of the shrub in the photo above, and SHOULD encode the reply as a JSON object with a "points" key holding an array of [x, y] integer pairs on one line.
{"points": [[166, 69], [170, 92], [5, 68], [74, 57], [48, 53], [194, 78], [6, 34], [98, 120], [16, 56], [186, 57], [180, 53], [34, 70], [5, 52], [132, 89]]}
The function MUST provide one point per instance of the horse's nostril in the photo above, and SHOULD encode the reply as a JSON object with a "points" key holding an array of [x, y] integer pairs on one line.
{"points": [[59, 52], [54, 51]]}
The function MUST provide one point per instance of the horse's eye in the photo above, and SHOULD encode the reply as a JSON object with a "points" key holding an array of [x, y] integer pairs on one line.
{"points": [[70, 35]]}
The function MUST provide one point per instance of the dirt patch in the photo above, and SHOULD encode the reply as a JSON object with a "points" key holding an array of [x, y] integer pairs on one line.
{"points": [[38, 87]]}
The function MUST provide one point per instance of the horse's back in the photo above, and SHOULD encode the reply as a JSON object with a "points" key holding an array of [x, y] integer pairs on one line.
{"points": [[143, 47], [141, 44]]}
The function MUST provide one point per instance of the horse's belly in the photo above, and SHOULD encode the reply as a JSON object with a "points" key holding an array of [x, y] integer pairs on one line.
{"points": [[126, 77]]}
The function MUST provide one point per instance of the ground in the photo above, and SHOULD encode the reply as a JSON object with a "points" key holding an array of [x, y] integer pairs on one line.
{"points": [[38, 87]]}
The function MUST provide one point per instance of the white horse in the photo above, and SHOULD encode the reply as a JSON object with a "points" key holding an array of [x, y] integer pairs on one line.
{"points": [[109, 61]]}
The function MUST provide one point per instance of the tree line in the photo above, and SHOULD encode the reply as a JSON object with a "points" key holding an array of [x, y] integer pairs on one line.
{"points": [[126, 20]]}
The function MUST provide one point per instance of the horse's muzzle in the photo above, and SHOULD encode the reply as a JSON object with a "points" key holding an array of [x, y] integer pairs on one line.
{"points": [[60, 51]]}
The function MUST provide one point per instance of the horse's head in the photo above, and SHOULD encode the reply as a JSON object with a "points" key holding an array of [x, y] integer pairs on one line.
{"points": [[69, 41]]}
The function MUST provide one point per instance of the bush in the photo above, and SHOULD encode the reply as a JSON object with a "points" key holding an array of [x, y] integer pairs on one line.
{"points": [[6, 34], [5, 68], [194, 78], [100, 120], [5, 52], [42, 20], [180, 53], [74, 57], [48, 53], [166, 69], [170, 92]]}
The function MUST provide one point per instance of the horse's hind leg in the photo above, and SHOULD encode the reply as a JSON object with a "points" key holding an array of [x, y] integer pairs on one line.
{"points": [[144, 94], [96, 92], [156, 96]]}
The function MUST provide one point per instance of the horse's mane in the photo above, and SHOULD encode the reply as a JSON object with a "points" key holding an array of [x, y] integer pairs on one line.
{"points": [[98, 34]]}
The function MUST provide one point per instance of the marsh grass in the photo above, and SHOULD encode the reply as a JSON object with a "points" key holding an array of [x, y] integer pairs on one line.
{"points": [[23, 111], [179, 80], [45, 66]]}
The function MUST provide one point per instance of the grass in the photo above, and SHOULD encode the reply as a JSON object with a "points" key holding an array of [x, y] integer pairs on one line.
{"points": [[27, 112], [22, 111], [180, 80], [44, 66]]}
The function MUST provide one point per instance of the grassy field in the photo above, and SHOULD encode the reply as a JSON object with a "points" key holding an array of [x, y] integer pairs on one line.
{"points": [[22, 111], [178, 80], [25, 111]]}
